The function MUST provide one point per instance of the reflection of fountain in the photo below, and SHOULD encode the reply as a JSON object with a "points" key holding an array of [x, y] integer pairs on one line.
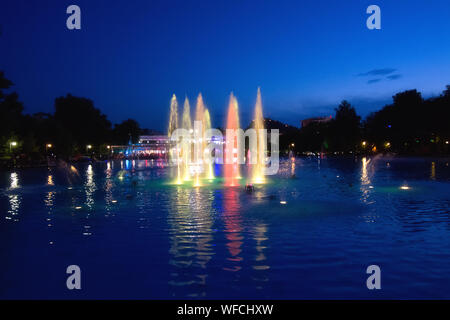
{"points": [[191, 240], [233, 229], [258, 168], [231, 171]]}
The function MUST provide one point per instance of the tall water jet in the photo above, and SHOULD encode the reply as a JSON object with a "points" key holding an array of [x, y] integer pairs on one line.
{"points": [[258, 125], [173, 119], [199, 138], [209, 173], [231, 170], [186, 145], [173, 124]]}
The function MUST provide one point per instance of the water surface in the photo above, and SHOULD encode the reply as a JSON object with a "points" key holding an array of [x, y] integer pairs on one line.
{"points": [[136, 235]]}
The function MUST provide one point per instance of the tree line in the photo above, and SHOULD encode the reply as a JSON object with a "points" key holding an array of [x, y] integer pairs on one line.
{"points": [[75, 127], [410, 125]]}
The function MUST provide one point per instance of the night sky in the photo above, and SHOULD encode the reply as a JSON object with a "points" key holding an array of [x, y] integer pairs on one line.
{"points": [[130, 56]]}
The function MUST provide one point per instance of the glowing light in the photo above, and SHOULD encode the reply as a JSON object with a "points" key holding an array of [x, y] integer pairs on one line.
{"points": [[14, 180], [231, 170], [387, 144], [78, 208], [405, 188], [197, 182], [14, 143], [49, 145], [283, 202], [89, 146], [173, 120], [364, 143], [258, 168], [114, 201], [446, 142]]}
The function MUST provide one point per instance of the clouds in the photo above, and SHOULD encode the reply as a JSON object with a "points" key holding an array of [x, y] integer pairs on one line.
{"points": [[387, 73], [373, 81], [377, 72], [394, 76]]}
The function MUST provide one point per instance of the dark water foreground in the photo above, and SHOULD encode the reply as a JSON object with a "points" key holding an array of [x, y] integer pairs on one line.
{"points": [[135, 235]]}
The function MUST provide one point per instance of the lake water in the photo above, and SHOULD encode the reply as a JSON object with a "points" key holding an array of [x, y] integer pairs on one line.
{"points": [[137, 236]]}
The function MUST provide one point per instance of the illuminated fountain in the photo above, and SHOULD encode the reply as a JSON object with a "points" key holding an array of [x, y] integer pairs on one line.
{"points": [[209, 173], [173, 124], [194, 154], [258, 168], [186, 145], [199, 143], [231, 170], [173, 120]]}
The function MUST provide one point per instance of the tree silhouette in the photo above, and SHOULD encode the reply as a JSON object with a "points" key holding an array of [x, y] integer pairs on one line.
{"points": [[80, 123], [124, 131]]}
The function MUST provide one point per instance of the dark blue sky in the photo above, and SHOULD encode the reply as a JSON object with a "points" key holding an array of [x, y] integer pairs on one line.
{"points": [[131, 56]]}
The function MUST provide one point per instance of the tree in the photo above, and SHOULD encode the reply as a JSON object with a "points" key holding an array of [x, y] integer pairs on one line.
{"points": [[345, 128], [124, 131], [10, 113], [80, 123]]}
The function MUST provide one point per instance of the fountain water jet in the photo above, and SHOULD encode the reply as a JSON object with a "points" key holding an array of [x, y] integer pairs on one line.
{"points": [[200, 142], [174, 153], [231, 170], [209, 173], [258, 168], [186, 145], [173, 119]]}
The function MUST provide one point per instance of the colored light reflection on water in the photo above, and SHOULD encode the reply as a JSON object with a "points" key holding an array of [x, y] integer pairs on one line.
{"points": [[303, 234]]}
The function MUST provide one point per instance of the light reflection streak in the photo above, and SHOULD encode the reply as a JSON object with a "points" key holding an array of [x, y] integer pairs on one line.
{"points": [[14, 199], [190, 235], [365, 180], [433, 171], [90, 187], [50, 180], [14, 178], [260, 265], [108, 187], [233, 229], [49, 203]]}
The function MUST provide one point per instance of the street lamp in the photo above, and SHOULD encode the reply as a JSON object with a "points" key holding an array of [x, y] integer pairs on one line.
{"points": [[12, 144], [364, 143]]}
